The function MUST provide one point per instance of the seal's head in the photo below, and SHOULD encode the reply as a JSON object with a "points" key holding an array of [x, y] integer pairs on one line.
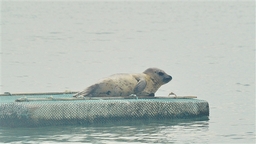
{"points": [[158, 75]]}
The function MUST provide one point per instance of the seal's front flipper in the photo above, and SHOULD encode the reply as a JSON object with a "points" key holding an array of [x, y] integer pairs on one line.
{"points": [[140, 86]]}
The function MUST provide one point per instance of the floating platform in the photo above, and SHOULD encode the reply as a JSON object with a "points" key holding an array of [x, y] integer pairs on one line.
{"points": [[45, 109]]}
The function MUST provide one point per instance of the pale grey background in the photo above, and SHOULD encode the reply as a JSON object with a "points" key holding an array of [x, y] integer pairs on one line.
{"points": [[207, 47]]}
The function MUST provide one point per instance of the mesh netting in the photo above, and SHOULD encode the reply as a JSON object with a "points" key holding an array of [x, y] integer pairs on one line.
{"points": [[41, 113]]}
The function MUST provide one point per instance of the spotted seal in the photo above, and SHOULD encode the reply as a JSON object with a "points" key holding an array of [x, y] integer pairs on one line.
{"points": [[125, 84]]}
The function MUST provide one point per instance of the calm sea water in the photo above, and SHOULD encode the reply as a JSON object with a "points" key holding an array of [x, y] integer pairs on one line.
{"points": [[207, 46]]}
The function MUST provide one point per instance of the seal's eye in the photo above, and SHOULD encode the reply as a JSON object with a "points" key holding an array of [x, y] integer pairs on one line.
{"points": [[160, 73]]}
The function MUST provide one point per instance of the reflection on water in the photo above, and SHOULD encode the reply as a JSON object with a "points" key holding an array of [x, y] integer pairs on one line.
{"points": [[154, 131]]}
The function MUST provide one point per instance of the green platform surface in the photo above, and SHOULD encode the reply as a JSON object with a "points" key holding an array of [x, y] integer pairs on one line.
{"points": [[42, 113]]}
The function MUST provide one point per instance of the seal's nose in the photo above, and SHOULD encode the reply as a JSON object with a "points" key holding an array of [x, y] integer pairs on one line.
{"points": [[167, 79]]}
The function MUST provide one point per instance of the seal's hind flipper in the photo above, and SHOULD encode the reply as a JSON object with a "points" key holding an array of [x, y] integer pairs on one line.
{"points": [[140, 86], [88, 91]]}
